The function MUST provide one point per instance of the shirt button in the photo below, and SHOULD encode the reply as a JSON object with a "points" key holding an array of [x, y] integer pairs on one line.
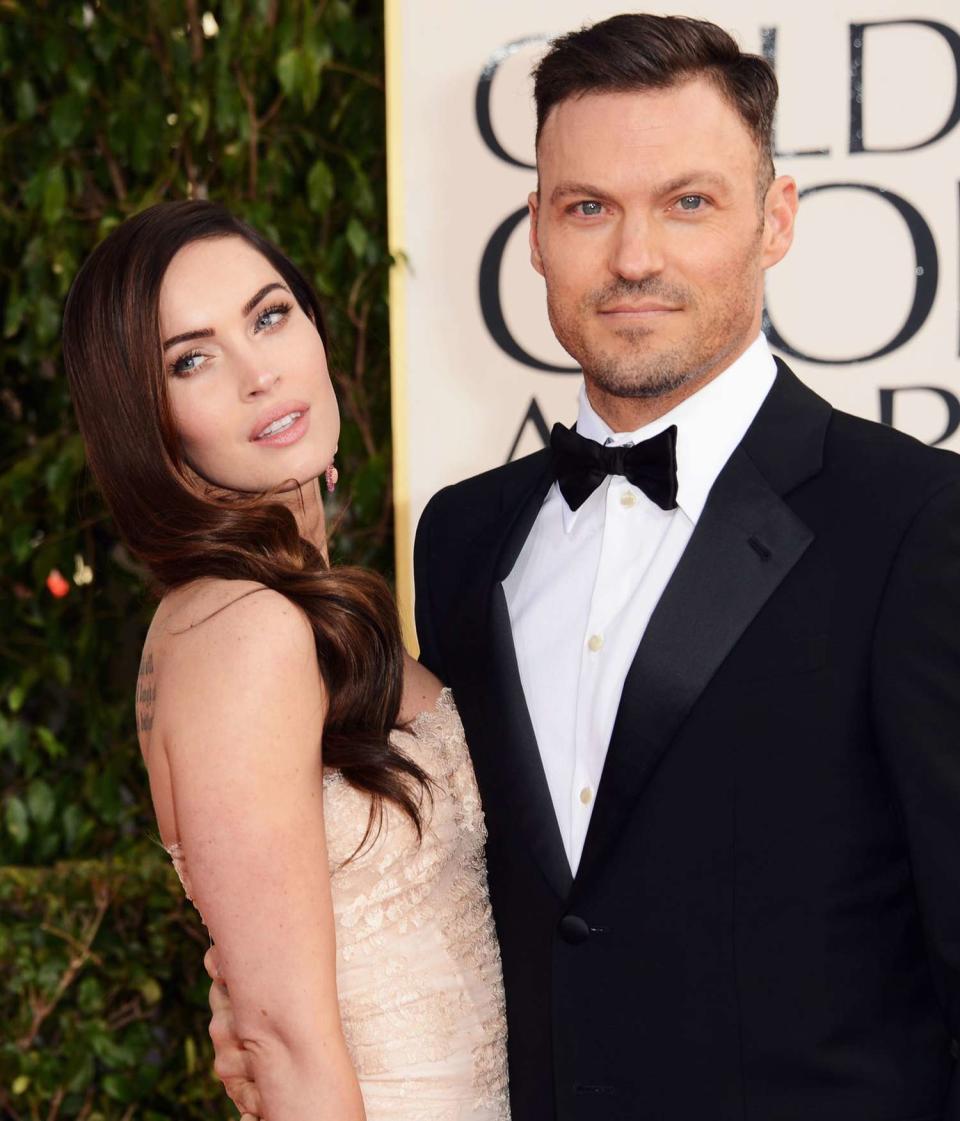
{"points": [[595, 642], [586, 795], [628, 499]]}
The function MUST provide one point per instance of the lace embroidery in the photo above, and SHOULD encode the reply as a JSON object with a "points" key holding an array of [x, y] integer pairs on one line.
{"points": [[418, 967]]}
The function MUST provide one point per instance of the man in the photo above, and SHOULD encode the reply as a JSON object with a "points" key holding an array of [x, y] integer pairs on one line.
{"points": [[705, 648]]}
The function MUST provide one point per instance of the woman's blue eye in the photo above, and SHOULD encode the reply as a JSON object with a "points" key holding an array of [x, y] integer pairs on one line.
{"points": [[183, 364], [271, 316], [691, 202]]}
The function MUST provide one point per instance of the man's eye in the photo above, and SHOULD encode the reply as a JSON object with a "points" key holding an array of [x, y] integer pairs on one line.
{"points": [[691, 202], [589, 208]]}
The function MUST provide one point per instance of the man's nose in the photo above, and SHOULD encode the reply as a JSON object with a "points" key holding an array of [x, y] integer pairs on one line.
{"points": [[637, 251]]}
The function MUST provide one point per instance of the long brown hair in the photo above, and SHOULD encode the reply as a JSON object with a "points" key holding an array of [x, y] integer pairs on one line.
{"points": [[114, 362]]}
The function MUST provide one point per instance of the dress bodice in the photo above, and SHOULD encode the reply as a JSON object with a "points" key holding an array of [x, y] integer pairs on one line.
{"points": [[418, 968]]}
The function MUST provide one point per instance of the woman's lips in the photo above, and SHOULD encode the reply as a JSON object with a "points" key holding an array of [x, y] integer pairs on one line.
{"points": [[289, 433]]}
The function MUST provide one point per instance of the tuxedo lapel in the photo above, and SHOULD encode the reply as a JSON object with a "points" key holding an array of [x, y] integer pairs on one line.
{"points": [[502, 738], [525, 783], [746, 541]]}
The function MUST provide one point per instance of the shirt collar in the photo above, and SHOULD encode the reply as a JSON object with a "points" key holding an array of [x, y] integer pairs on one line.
{"points": [[710, 424]]}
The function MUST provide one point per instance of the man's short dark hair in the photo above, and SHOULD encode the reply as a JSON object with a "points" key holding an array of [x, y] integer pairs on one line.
{"points": [[631, 53]]}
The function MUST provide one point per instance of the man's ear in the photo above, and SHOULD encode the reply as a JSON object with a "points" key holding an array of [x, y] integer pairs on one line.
{"points": [[779, 216], [533, 205]]}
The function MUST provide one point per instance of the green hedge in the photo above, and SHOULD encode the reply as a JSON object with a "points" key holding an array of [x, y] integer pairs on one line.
{"points": [[274, 107]]}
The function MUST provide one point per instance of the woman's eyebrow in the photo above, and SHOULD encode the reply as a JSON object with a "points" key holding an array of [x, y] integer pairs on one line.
{"points": [[203, 333], [208, 332], [255, 299]]}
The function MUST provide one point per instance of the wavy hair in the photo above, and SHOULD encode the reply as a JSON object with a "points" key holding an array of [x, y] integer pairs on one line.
{"points": [[114, 362]]}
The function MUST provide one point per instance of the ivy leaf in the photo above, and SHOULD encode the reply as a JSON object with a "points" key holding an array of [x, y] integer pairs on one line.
{"points": [[290, 71], [41, 802], [151, 990], [321, 186], [67, 119], [62, 669], [367, 484], [78, 827], [120, 1087], [51, 745], [14, 739], [80, 1072], [16, 306], [15, 816], [357, 237], [190, 1054], [315, 58], [26, 99], [199, 109], [46, 318], [54, 196], [21, 542]]}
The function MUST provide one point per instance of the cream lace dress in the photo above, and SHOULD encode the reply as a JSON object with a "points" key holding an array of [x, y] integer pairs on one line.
{"points": [[418, 968]]}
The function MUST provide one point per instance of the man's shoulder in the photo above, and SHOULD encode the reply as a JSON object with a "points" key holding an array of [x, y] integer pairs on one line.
{"points": [[878, 453], [489, 488]]}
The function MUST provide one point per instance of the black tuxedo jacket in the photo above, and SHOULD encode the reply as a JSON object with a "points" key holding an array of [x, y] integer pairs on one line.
{"points": [[765, 923]]}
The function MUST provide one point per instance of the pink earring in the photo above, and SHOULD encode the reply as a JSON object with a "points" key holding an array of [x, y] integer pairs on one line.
{"points": [[332, 476]]}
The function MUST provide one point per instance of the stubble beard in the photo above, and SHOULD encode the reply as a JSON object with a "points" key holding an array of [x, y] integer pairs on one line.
{"points": [[640, 369]]}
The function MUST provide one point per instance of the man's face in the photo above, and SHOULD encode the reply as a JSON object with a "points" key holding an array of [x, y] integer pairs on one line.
{"points": [[652, 237]]}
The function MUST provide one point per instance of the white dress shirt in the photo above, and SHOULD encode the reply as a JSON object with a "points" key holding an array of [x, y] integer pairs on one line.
{"points": [[587, 581]]}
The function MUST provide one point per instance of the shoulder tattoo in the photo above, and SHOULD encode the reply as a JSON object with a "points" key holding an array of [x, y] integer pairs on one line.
{"points": [[146, 693]]}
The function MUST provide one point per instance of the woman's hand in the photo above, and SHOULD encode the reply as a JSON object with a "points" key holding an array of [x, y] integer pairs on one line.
{"points": [[231, 1063]]}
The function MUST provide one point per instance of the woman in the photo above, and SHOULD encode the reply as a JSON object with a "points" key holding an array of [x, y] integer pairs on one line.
{"points": [[309, 779]]}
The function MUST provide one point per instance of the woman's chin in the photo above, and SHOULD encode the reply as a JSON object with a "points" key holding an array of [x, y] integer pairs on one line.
{"points": [[211, 485]]}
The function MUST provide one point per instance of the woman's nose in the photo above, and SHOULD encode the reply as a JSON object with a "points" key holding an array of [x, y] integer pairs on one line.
{"points": [[258, 381]]}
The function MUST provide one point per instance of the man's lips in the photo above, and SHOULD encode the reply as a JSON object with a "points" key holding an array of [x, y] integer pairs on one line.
{"points": [[638, 309]]}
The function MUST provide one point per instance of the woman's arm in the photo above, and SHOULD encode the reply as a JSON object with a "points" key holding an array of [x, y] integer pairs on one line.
{"points": [[240, 708]]}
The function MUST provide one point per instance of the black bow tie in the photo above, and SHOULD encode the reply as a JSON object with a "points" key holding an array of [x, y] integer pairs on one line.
{"points": [[581, 465]]}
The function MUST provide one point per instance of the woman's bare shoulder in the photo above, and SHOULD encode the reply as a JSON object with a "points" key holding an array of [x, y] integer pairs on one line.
{"points": [[188, 606], [236, 628], [222, 670], [215, 609]]}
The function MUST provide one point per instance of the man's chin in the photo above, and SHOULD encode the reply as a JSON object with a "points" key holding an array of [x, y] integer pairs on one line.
{"points": [[650, 379]]}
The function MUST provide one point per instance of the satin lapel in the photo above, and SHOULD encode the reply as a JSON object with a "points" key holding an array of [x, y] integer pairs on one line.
{"points": [[502, 739], [745, 543], [525, 784]]}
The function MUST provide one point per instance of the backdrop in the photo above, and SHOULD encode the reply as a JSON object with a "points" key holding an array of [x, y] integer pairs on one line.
{"points": [[865, 306]]}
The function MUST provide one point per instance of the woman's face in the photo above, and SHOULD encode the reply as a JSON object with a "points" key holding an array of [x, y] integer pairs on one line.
{"points": [[246, 370]]}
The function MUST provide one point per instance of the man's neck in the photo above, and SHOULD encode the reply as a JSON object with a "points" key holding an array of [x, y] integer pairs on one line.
{"points": [[628, 414]]}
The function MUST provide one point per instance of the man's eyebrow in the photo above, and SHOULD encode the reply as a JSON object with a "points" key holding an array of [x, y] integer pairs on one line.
{"points": [[562, 190], [709, 178], [208, 332], [588, 190]]}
